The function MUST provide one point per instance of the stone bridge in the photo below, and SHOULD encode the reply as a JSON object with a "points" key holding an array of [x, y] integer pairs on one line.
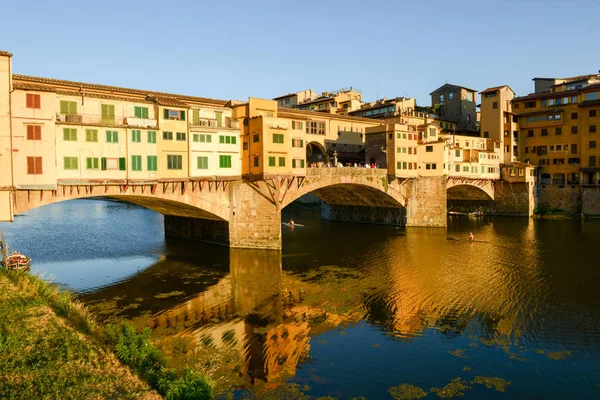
{"points": [[247, 213]]}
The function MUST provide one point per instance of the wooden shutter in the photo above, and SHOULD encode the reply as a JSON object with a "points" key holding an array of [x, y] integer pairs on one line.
{"points": [[38, 165], [29, 98], [103, 162], [145, 112], [30, 165], [195, 117], [36, 101], [64, 107], [166, 113], [122, 164], [29, 132], [182, 115]]}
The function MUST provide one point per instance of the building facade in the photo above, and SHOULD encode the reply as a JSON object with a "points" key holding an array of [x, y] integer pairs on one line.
{"points": [[457, 104], [498, 121]]}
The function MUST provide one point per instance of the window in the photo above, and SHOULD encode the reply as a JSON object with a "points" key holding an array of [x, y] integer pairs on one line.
{"points": [[256, 138], [219, 117], [68, 107], [175, 161], [429, 149], [136, 136], [573, 129], [592, 128], [544, 132], [112, 137], [468, 120], [91, 135], [136, 163], [470, 96], [152, 162], [574, 115], [70, 163], [224, 161], [108, 113], [173, 115], [297, 125], [544, 103], [558, 161], [282, 161], [457, 153], [91, 163], [34, 132], [277, 138], [256, 161], [167, 135], [558, 131], [151, 136], [574, 160], [202, 138], [112, 163], [245, 146], [33, 101], [592, 144], [591, 96], [530, 104], [592, 113], [297, 143], [140, 112], [432, 132], [34, 165], [180, 136], [70, 134], [227, 139], [530, 133], [441, 98], [202, 162], [451, 96], [495, 104], [592, 161], [271, 161], [296, 163], [574, 148]]}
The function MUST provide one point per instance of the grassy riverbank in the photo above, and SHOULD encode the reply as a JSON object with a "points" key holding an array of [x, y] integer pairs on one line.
{"points": [[51, 348]]}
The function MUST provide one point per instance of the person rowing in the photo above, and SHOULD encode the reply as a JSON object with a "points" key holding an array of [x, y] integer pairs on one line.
{"points": [[470, 237], [291, 222]]}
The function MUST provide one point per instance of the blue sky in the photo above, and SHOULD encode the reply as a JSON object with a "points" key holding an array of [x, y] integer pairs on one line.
{"points": [[235, 49]]}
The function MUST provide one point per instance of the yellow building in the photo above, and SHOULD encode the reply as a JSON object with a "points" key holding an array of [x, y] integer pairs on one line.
{"points": [[6, 160], [558, 129], [340, 102], [498, 121]]}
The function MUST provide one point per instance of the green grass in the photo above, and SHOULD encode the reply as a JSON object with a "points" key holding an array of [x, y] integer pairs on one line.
{"points": [[50, 347]]}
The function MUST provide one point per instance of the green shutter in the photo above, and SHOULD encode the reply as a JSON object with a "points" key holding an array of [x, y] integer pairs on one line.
{"points": [[64, 107], [122, 164], [103, 161], [108, 137], [145, 112], [137, 112], [233, 140], [221, 139], [271, 161], [196, 117], [182, 115], [301, 143], [208, 138], [219, 116], [302, 163], [166, 113]]}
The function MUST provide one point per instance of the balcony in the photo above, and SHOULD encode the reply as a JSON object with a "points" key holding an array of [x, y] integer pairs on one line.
{"points": [[230, 123], [141, 122], [90, 119]]}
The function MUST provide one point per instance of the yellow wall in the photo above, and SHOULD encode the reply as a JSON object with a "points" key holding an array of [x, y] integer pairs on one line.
{"points": [[172, 147], [5, 139]]}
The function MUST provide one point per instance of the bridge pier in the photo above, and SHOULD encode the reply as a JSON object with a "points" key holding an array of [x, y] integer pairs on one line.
{"points": [[426, 201]]}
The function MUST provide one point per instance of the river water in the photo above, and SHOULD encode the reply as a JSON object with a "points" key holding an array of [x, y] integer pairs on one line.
{"points": [[345, 310]]}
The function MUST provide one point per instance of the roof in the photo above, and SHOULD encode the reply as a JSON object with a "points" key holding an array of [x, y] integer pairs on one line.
{"points": [[5, 53], [565, 93], [449, 84], [291, 94], [293, 113], [496, 88], [43, 84]]}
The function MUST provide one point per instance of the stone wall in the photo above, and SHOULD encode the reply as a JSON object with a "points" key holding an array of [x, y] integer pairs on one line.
{"points": [[516, 199], [426, 201], [590, 201], [559, 198], [371, 215], [202, 230], [255, 221]]}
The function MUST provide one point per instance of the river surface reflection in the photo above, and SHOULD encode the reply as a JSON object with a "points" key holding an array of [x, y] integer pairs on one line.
{"points": [[346, 310]]}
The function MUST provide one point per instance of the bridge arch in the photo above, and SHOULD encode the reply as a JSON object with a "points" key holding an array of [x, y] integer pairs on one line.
{"points": [[351, 186], [313, 151], [470, 189], [168, 200]]}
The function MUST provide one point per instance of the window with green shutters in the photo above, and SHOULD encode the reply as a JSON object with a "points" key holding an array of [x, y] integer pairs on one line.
{"points": [[282, 161], [91, 135], [141, 112], [174, 161], [219, 117], [302, 164], [70, 134], [174, 115], [70, 163], [256, 138], [112, 137], [122, 164], [227, 139], [297, 163], [136, 163], [297, 143], [277, 138], [91, 163], [202, 138], [202, 162], [271, 161], [224, 161], [256, 161], [108, 113], [180, 136], [151, 136], [152, 163], [167, 135], [68, 107], [136, 136]]}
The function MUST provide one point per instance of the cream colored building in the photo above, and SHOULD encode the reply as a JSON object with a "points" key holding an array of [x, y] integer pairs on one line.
{"points": [[498, 121], [6, 160]]}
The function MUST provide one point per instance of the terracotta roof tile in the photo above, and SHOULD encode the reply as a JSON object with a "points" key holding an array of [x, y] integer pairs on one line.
{"points": [[5, 53], [116, 89], [293, 113], [495, 89]]}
